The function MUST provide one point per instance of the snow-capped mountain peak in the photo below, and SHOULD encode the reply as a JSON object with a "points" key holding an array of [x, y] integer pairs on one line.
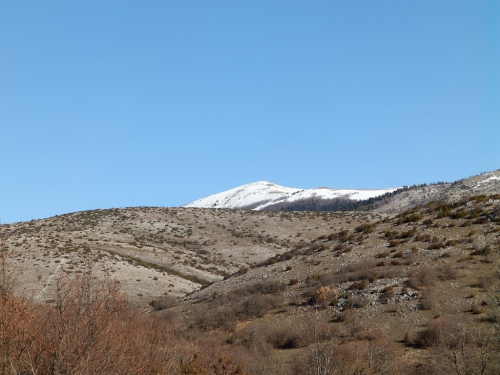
{"points": [[262, 194]]}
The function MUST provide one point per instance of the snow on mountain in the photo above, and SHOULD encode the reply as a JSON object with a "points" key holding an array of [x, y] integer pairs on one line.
{"points": [[261, 194]]}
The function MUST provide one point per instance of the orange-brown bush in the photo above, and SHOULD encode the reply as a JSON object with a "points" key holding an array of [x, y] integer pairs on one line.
{"points": [[218, 364], [88, 330], [91, 330], [324, 295]]}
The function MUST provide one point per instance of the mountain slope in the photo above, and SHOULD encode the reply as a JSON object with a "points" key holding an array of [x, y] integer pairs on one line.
{"points": [[156, 250], [485, 183], [263, 195]]}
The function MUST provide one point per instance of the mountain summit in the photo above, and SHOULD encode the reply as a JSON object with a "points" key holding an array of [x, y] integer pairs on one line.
{"points": [[266, 195], [263, 195]]}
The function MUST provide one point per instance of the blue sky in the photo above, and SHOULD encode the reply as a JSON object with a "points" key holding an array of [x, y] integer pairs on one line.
{"points": [[158, 103]]}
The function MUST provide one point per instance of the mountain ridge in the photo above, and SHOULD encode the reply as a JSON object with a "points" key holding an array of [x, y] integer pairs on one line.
{"points": [[262, 194]]}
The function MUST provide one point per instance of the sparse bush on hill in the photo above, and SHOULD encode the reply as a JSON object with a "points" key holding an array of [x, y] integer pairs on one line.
{"points": [[365, 228], [448, 272], [393, 243], [259, 305], [284, 337], [324, 296], [455, 348], [412, 218], [355, 301], [429, 299], [163, 303], [423, 276]]}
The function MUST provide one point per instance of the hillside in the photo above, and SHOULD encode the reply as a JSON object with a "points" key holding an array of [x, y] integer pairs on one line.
{"points": [[382, 289], [486, 183], [154, 251], [259, 292]]}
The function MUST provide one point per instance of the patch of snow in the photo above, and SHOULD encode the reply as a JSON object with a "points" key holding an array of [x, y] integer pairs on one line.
{"points": [[489, 179]]}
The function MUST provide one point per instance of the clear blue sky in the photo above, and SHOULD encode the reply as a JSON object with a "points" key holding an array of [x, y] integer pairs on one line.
{"points": [[157, 103]]}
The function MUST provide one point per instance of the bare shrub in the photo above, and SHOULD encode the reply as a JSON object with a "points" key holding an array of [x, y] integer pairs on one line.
{"points": [[355, 301], [429, 299], [163, 303], [329, 357], [283, 337], [365, 228], [89, 330], [457, 349], [388, 291], [393, 243], [210, 363], [338, 247], [372, 357], [354, 271], [398, 254], [359, 285], [436, 246], [259, 305], [320, 339], [434, 334], [485, 250], [428, 222], [423, 276], [486, 282], [220, 318], [448, 272]]}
